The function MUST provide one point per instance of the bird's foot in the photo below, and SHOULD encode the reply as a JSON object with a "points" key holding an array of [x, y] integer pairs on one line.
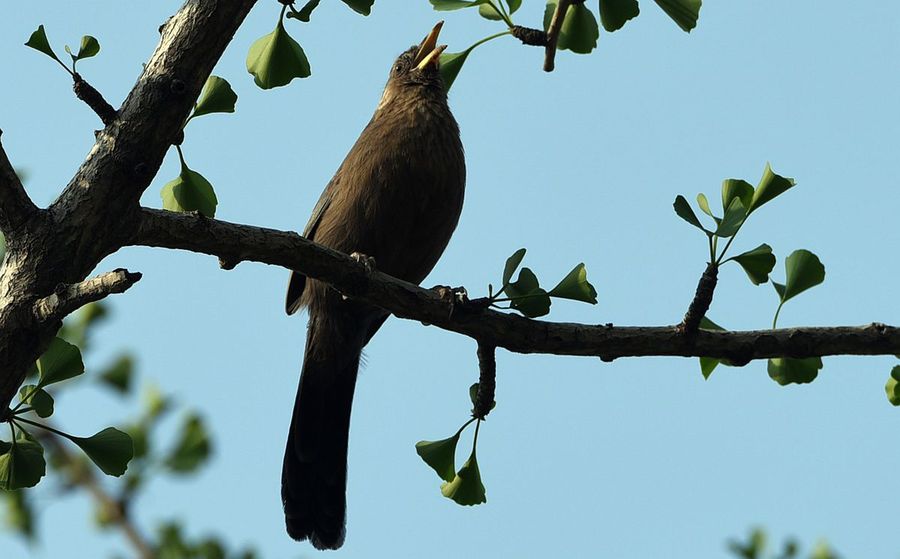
{"points": [[367, 261], [453, 296]]}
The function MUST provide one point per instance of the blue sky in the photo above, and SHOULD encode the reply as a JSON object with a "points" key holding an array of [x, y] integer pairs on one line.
{"points": [[635, 459]]}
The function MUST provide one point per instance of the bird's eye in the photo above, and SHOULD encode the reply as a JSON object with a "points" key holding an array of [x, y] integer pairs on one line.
{"points": [[398, 68]]}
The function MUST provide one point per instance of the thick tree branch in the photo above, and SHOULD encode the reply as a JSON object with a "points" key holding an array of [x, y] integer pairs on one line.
{"points": [[15, 205], [67, 298], [234, 243], [97, 210], [556, 22]]}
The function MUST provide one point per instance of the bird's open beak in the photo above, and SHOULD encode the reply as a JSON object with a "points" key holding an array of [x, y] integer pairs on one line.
{"points": [[429, 50]]}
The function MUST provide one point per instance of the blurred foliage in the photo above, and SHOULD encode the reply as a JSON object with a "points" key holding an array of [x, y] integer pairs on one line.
{"points": [[756, 547], [72, 472]]}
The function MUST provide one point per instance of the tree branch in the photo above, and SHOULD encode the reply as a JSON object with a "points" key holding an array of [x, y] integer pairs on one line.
{"points": [[234, 243], [559, 15], [97, 210], [70, 297], [15, 205]]}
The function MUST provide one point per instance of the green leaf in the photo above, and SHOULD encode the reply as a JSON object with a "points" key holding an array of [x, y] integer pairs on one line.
{"points": [[703, 203], [38, 399], [779, 289], [732, 220], [60, 362], [736, 188], [119, 374], [770, 186], [684, 12], [615, 13], [512, 264], [804, 270], [140, 439], [193, 447], [785, 370], [38, 41], [21, 464], [89, 47], [526, 295], [576, 286], [757, 263], [20, 512], [276, 59], [684, 211], [487, 11], [579, 32], [189, 192], [440, 455], [110, 450], [466, 487], [709, 364], [450, 63], [892, 388], [363, 7], [450, 5], [217, 97], [514, 5]]}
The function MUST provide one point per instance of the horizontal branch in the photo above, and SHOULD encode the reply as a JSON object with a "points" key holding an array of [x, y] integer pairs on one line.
{"points": [[234, 243], [70, 297], [15, 205]]}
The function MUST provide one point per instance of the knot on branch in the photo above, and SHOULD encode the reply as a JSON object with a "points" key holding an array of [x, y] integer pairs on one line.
{"points": [[86, 92], [68, 298], [529, 35], [487, 380], [702, 300]]}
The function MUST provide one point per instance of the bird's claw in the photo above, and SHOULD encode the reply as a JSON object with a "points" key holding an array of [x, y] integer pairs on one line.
{"points": [[453, 296], [367, 261]]}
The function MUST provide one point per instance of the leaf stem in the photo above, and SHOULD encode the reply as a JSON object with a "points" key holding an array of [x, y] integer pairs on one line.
{"points": [[777, 312], [46, 428]]}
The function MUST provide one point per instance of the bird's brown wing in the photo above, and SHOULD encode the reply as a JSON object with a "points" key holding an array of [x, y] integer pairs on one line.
{"points": [[297, 282]]}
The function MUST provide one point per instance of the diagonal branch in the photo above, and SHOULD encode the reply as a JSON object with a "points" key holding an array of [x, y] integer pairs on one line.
{"points": [[234, 243], [15, 205], [70, 297]]}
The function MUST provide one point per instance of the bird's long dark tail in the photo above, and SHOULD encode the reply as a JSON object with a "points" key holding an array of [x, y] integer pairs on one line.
{"points": [[314, 474]]}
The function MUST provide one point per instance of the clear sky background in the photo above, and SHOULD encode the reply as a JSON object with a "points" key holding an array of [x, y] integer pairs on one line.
{"points": [[639, 458]]}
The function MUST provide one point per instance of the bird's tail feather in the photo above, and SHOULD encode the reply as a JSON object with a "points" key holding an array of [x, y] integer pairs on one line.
{"points": [[314, 474]]}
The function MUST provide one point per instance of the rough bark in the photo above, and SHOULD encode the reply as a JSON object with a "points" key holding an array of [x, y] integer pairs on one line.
{"points": [[234, 243], [98, 209]]}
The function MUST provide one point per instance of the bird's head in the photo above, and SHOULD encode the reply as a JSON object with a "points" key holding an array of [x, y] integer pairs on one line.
{"points": [[416, 71]]}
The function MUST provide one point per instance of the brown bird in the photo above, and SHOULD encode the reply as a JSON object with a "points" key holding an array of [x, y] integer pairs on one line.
{"points": [[396, 198]]}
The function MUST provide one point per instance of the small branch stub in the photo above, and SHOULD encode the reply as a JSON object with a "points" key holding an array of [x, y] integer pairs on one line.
{"points": [[529, 36], [86, 92], [68, 298], [702, 301], [487, 380]]}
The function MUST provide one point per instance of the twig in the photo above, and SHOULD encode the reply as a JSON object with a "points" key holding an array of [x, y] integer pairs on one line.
{"points": [[487, 380], [559, 15], [234, 243], [69, 297], [15, 205], [79, 474], [86, 92], [703, 297]]}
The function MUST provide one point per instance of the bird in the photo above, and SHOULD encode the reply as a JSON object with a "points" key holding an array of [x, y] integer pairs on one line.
{"points": [[394, 201]]}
